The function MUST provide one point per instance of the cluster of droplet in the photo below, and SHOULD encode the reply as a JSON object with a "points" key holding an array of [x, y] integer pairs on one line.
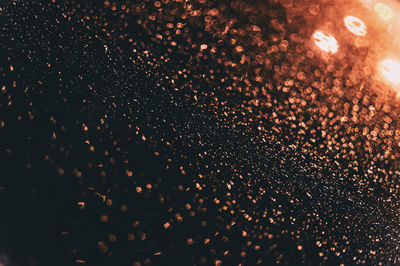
{"points": [[390, 68], [264, 151]]}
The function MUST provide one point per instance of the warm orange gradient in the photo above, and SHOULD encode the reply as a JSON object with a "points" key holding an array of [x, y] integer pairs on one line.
{"points": [[391, 70], [325, 41]]}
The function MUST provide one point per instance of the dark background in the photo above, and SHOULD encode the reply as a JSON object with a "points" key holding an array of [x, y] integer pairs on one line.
{"points": [[118, 148]]}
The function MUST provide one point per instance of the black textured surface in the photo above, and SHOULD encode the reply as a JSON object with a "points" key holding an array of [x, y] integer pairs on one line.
{"points": [[121, 147]]}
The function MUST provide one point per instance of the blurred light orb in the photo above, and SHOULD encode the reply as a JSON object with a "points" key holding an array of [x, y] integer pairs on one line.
{"points": [[325, 41], [384, 11], [355, 25], [391, 70], [367, 3]]}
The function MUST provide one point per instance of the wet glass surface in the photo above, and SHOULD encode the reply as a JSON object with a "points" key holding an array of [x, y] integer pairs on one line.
{"points": [[199, 133]]}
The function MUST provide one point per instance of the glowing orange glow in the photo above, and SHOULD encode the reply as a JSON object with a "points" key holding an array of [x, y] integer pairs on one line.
{"points": [[325, 42], [355, 25], [384, 11], [366, 1], [391, 70]]}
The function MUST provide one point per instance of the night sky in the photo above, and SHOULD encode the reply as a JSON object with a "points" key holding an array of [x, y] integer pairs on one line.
{"points": [[195, 132]]}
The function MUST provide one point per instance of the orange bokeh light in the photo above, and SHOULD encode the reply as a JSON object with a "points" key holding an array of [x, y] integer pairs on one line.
{"points": [[355, 25], [325, 42], [384, 11], [391, 70]]}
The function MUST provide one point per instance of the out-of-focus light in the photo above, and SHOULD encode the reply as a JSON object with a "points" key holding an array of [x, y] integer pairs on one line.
{"points": [[325, 42], [355, 25], [384, 11], [368, 3], [391, 70]]}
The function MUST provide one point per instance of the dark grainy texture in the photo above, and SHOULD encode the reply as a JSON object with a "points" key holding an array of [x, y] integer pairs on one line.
{"points": [[190, 132]]}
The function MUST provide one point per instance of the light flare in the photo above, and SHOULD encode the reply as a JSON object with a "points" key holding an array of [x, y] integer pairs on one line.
{"points": [[384, 11], [325, 41], [391, 70], [355, 25]]}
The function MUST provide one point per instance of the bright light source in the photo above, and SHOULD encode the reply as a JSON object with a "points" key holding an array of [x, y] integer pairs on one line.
{"points": [[384, 11], [355, 25], [325, 41], [366, 1], [391, 70]]}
